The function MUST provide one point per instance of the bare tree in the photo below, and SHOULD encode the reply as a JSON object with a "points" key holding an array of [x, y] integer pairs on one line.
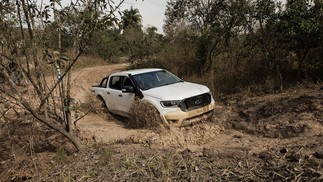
{"points": [[24, 57]]}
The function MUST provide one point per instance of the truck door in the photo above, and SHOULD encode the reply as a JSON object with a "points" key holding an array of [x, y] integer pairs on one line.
{"points": [[113, 94], [126, 98], [117, 101]]}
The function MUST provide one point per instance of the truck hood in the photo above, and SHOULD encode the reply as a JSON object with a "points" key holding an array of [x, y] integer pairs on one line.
{"points": [[177, 91]]}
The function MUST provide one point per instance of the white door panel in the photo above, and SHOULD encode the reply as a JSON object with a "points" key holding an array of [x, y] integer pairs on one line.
{"points": [[126, 102]]}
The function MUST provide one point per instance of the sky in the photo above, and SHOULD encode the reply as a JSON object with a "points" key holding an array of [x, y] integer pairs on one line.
{"points": [[152, 12]]}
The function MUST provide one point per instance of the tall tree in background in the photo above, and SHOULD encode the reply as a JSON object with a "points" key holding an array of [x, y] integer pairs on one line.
{"points": [[153, 40], [107, 44], [212, 22], [301, 30], [132, 35], [131, 19], [244, 37]]}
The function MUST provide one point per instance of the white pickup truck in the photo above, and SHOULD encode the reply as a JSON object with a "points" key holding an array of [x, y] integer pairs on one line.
{"points": [[178, 102]]}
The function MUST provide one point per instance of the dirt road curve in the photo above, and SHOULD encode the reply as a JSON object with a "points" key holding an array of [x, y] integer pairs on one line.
{"points": [[85, 78], [249, 125], [97, 126]]}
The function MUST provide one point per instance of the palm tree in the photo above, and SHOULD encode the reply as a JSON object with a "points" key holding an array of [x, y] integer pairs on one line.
{"points": [[131, 19], [151, 30]]}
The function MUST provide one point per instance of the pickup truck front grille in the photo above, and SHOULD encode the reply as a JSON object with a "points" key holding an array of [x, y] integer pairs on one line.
{"points": [[195, 102]]}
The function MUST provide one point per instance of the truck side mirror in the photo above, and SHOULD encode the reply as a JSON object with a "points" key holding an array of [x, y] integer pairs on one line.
{"points": [[128, 89]]}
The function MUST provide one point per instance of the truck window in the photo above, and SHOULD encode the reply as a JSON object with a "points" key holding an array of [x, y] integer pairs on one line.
{"points": [[104, 83], [127, 82], [115, 82]]}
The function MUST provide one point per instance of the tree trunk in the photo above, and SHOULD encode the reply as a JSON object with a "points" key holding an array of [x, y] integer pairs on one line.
{"points": [[52, 124], [210, 67], [210, 71]]}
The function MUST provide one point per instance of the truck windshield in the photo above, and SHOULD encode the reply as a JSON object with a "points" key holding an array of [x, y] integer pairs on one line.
{"points": [[154, 79]]}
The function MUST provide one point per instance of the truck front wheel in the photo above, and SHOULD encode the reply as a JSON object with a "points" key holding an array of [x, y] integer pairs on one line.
{"points": [[144, 115]]}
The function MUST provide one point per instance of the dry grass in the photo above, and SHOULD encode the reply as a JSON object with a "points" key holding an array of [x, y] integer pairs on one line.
{"points": [[89, 61], [134, 163], [83, 61]]}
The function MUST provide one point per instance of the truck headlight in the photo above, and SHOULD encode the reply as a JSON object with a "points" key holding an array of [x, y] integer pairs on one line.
{"points": [[170, 103]]}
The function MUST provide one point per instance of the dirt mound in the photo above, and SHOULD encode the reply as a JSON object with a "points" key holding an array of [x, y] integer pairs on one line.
{"points": [[284, 115]]}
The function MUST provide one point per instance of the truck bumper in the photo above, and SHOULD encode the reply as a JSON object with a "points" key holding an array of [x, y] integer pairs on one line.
{"points": [[181, 118]]}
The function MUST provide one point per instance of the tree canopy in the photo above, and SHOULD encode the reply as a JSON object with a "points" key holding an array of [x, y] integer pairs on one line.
{"points": [[131, 19], [246, 36]]}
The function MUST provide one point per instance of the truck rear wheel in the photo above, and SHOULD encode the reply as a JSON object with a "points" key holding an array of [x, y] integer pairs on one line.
{"points": [[99, 106], [103, 104]]}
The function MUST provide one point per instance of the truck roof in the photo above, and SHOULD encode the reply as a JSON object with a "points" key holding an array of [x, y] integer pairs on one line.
{"points": [[136, 71]]}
